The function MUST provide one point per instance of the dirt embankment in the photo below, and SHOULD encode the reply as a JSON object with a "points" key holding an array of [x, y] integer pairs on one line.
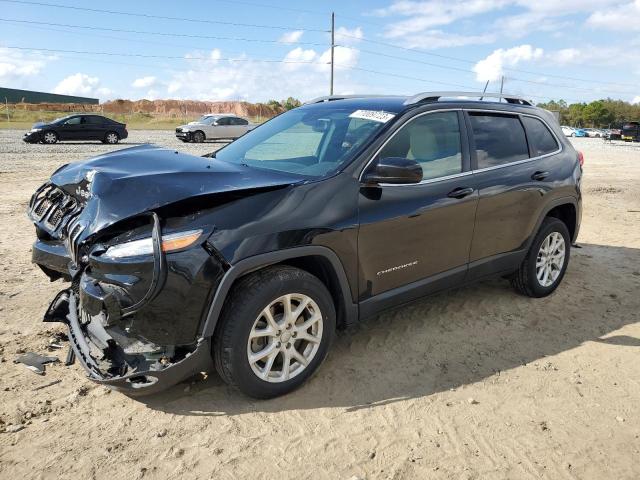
{"points": [[158, 107]]}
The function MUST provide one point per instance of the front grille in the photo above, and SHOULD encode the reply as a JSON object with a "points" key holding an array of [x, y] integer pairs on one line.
{"points": [[51, 208], [178, 130]]}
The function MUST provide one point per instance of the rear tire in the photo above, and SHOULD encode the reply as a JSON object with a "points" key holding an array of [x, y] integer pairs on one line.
{"points": [[255, 322], [111, 138], [546, 262], [198, 137]]}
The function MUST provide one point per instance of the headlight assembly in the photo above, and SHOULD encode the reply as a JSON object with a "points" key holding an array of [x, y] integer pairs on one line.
{"points": [[36, 130], [144, 246]]}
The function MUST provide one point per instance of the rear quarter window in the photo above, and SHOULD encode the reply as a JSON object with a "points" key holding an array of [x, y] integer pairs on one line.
{"points": [[541, 139], [499, 139]]}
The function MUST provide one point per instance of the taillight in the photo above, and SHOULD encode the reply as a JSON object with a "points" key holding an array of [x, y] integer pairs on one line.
{"points": [[581, 158]]}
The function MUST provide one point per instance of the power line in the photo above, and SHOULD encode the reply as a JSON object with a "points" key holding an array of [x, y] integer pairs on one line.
{"points": [[161, 17], [167, 57], [465, 70], [163, 34]]}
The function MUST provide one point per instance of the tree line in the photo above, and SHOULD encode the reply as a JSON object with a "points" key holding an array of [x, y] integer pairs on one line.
{"points": [[608, 113]]}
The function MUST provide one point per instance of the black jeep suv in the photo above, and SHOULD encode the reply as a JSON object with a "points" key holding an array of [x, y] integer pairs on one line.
{"points": [[250, 258]]}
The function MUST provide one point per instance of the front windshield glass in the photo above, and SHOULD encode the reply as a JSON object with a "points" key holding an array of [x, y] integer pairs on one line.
{"points": [[310, 141], [207, 120], [62, 118]]}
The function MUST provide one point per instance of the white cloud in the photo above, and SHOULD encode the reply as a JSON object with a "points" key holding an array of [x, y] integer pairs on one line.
{"points": [[344, 35], [433, 39], [424, 15], [492, 67], [18, 66], [291, 37], [81, 84], [636, 100], [144, 82], [298, 57], [621, 18], [343, 57], [253, 80], [565, 56]]}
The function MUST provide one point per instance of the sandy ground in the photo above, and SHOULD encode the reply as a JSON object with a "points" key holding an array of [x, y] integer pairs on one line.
{"points": [[474, 383]]}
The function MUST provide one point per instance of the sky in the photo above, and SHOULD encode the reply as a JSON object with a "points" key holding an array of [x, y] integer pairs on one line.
{"points": [[260, 50]]}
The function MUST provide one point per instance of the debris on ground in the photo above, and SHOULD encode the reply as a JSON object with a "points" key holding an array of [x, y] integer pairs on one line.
{"points": [[35, 362]]}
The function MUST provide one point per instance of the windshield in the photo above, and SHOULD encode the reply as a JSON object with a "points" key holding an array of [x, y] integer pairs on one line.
{"points": [[62, 118], [207, 119], [310, 141]]}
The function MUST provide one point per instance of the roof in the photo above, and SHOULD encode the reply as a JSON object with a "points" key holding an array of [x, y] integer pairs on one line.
{"points": [[397, 103]]}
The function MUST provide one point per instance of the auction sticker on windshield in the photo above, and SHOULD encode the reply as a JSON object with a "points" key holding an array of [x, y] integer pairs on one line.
{"points": [[374, 115]]}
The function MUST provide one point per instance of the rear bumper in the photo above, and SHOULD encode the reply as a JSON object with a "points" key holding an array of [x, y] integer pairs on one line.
{"points": [[144, 382]]}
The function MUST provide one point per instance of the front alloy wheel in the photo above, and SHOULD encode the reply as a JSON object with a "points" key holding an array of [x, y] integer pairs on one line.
{"points": [[50, 138], [274, 332], [285, 337]]}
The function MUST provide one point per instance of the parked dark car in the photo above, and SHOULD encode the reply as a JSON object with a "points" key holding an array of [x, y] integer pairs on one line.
{"points": [[78, 127], [630, 132], [250, 258]]}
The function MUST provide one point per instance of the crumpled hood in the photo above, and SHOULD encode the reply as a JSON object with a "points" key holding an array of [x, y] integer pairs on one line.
{"points": [[135, 180]]}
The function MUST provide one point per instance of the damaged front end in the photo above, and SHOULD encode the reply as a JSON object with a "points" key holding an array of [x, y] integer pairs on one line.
{"points": [[130, 231], [122, 331]]}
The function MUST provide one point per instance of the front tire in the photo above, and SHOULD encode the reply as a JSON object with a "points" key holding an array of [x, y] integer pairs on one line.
{"points": [[546, 262], [198, 137], [275, 330], [50, 138]]}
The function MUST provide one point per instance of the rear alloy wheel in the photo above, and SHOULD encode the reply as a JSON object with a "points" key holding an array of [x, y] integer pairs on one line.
{"points": [[198, 137], [275, 331], [111, 138], [546, 262], [50, 138]]}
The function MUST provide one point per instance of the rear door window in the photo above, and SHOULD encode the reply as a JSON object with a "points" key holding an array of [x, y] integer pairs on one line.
{"points": [[499, 139], [541, 139]]}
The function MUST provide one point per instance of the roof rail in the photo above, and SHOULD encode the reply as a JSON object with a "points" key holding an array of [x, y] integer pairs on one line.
{"points": [[331, 98], [435, 96]]}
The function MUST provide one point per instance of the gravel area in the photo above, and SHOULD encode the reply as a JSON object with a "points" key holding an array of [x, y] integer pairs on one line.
{"points": [[475, 383]]}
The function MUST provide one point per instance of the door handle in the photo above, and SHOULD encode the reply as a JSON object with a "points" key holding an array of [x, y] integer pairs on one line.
{"points": [[539, 175], [460, 192]]}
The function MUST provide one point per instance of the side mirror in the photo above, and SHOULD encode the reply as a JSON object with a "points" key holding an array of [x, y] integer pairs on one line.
{"points": [[395, 170]]}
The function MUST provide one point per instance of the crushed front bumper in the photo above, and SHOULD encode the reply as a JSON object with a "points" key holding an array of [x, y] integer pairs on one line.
{"points": [[64, 309]]}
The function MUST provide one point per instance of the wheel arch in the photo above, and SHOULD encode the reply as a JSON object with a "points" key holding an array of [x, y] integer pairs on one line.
{"points": [[317, 260], [566, 209], [204, 135]]}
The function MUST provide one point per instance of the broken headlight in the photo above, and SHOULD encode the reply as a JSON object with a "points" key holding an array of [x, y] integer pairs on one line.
{"points": [[144, 246]]}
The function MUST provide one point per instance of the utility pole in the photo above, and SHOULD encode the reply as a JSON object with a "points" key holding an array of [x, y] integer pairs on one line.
{"points": [[501, 83], [333, 33]]}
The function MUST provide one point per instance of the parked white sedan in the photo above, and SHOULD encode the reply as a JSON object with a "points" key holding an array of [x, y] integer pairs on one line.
{"points": [[218, 126]]}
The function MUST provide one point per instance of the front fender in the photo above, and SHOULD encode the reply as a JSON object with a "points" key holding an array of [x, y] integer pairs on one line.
{"points": [[257, 262]]}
